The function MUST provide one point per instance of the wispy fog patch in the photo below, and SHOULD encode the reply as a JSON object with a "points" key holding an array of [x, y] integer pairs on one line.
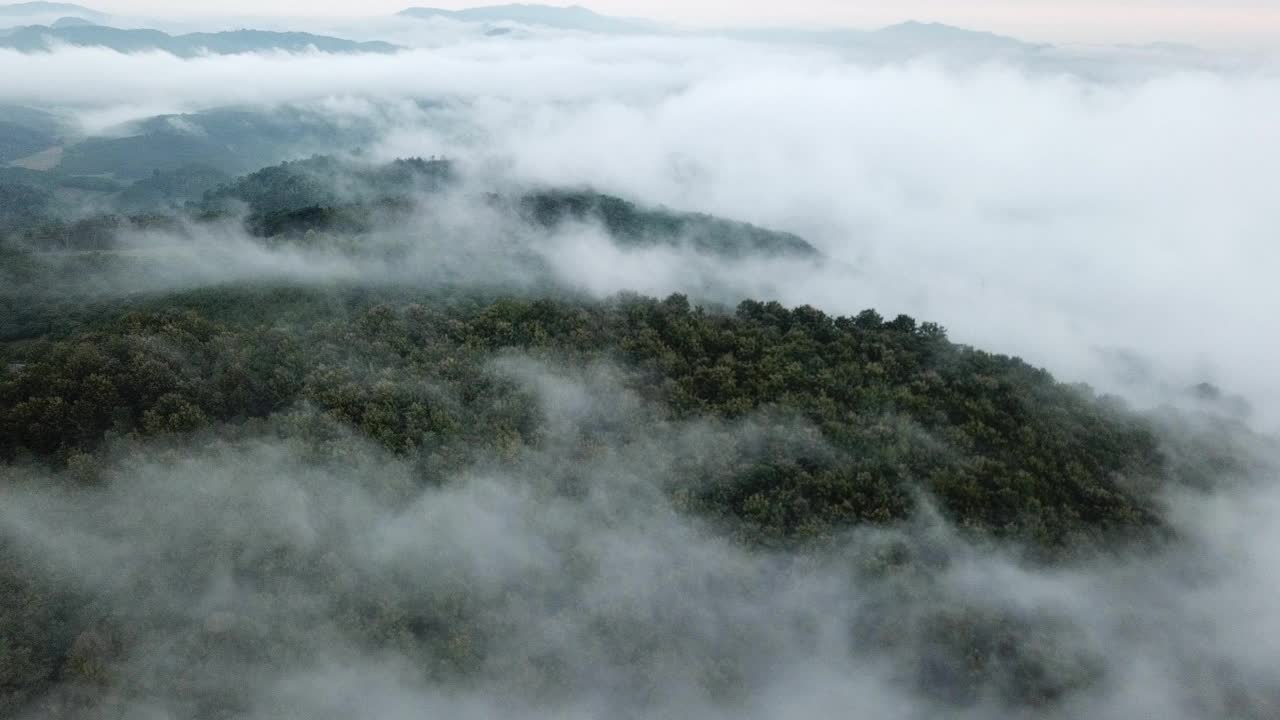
{"points": [[567, 583], [1047, 216], [462, 237]]}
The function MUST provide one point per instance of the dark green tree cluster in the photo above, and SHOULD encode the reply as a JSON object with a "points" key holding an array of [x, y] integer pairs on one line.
{"points": [[781, 428], [640, 227], [23, 206], [1000, 445], [326, 182]]}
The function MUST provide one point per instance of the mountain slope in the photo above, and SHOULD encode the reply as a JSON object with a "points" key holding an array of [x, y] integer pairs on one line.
{"points": [[323, 193], [634, 226], [171, 189], [314, 448], [19, 141], [40, 38], [231, 140]]}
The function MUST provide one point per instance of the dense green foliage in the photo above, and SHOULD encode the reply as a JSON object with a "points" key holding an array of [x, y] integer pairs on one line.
{"points": [[1000, 445], [781, 428], [320, 194], [323, 181], [634, 226], [172, 189], [22, 205]]}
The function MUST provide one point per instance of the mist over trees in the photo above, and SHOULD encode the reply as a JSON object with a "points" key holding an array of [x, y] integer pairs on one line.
{"points": [[424, 383]]}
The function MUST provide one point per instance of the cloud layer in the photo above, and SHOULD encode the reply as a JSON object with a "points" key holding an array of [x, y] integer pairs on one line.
{"points": [[1031, 209], [579, 590]]}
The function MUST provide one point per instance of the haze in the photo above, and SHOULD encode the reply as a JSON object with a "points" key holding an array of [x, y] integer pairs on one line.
{"points": [[1255, 23]]}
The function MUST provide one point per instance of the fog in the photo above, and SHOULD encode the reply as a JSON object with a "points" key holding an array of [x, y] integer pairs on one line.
{"points": [[1111, 220], [580, 590], [1030, 210]]}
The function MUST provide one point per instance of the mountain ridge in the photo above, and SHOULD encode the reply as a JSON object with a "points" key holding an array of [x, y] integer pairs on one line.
{"points": [[48, 8], [43, 38], [573, 17], [910, 35]]}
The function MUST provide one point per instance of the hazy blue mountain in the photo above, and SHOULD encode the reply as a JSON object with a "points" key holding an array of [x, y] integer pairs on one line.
{"points": [[258, 40], [27, 116], [909, 38], [232, 141], [938, 35], [24, 176], [39, 38], [30, 119], [57, 183], [68, 22], [19, 141], [564, 18], [28, 9], [25, 131]]}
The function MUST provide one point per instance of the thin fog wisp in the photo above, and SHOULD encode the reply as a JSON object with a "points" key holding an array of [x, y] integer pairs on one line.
{"points": [[566, 576]]}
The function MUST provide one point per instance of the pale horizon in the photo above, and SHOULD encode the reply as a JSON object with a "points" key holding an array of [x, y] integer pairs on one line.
{"points": [[1239, 23]]}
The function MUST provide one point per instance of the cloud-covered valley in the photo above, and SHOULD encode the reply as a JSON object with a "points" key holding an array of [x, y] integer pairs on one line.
{"points": [[1071, 220]]}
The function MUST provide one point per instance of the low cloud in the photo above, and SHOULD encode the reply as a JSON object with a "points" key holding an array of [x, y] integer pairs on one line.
{"points": [[567, 584], [1047, 214]]}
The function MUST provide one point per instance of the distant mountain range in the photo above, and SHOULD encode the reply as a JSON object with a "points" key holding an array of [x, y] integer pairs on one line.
{"points": [[905, 38], [29, 9], [72, 21], [70, 24], [41, 38], [563, 18], [908, 38]]}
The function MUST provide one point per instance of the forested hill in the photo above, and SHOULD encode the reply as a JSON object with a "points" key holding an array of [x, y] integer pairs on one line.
{"points": [[637, 226], [328, 195], [779, 430], [896, 408]]}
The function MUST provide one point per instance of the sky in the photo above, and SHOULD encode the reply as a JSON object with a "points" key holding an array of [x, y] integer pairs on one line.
{"points": [[1215, 22]]}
